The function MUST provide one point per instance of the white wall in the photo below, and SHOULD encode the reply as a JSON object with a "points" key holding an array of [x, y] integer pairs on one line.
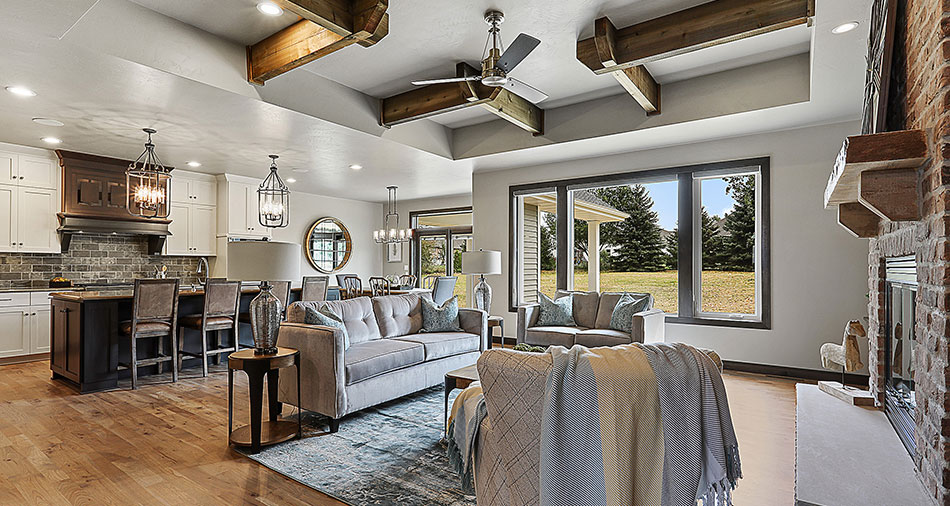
{"points": [[359, 217], [819, 271], [406, 207]]}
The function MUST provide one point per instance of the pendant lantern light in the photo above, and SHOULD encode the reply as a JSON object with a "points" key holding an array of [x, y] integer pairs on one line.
{"points": [[273, 199], [148, 184], [391, 233]]}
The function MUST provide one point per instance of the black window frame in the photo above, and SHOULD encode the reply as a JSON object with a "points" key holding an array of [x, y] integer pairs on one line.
{"points": [[449, 233], [684, 175]]}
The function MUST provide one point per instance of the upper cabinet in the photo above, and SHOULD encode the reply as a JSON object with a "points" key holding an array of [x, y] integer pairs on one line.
{"points": [[28, 170], [29, 201], [193, 210], [190, 189], [240, 218]]}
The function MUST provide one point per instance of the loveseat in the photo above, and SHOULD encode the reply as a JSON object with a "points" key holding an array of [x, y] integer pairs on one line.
{"points": [[388, 355], [591, 311]]}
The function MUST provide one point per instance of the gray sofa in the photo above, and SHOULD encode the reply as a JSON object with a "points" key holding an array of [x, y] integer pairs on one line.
{"points": [[388, 356], [591, 311]]}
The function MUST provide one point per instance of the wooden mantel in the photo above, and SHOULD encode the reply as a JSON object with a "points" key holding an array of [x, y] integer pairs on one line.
{"points": [[875, 178]]}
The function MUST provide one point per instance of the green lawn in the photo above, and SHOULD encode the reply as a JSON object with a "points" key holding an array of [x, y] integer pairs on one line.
{"points": [[723, 291]]}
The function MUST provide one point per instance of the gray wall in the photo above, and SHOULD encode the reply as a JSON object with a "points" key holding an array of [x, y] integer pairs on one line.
{"points": [[819, 273]]}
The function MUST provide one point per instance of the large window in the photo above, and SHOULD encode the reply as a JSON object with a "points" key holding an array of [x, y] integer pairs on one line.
{"points": [[694, 237], [439, 239]]}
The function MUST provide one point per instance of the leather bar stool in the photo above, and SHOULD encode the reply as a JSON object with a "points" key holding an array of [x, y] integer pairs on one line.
{"points": [[154, 314], [220, 314], [314, 288], [281, 290]]}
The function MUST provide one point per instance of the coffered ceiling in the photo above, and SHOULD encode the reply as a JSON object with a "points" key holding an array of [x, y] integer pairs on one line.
{"points": [[110, 67]]}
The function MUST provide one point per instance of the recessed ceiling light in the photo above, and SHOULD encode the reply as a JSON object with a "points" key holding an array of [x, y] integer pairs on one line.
{"points": [[301, 171], [193, 164], [48, 122], [21, 91], [356, 166], [844, 27], [291, 180], [270, 8], [51, 140]]}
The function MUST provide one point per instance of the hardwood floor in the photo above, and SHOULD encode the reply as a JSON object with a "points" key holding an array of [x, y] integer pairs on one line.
{"points": [[167, 443]]}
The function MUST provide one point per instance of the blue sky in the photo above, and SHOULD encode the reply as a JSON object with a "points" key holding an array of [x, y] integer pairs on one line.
{"points": [[664, 195]]}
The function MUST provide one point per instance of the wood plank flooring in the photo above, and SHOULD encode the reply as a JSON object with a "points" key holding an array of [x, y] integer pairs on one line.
{"points": [[167, 443]]}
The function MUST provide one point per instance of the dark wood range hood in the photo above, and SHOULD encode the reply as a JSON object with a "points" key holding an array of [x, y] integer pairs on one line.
{"points": [[95, 201]]}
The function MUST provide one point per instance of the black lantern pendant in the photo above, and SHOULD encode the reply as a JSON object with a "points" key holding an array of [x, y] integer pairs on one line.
{"points": [[148, 184], [273, 199]]}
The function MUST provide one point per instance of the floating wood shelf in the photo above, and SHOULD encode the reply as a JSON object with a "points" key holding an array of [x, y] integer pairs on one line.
{"points": [[904, 149]]}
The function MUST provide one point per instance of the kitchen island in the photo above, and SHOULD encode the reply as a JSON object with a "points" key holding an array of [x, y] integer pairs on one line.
{"points": [[86, 347]]}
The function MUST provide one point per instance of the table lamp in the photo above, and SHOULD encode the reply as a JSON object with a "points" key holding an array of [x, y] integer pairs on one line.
{"points": [[264, 261], [482, 263]]}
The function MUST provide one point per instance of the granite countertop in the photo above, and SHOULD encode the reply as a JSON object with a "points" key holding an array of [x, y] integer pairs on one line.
{"points": [[11, 290]]}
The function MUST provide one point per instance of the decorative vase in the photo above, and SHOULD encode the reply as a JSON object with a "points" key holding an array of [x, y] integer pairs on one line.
{"points": [[266, 311]]}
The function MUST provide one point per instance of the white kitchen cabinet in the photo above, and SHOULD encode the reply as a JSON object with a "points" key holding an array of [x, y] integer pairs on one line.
{"points": [[193, 189], [242, 211], [36, 220], [192, 229], [8, 168], [39, 329], [37, 172], [8, 217], [14, 331]]}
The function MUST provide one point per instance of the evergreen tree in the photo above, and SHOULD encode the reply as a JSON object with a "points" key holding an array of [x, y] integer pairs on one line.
{"points": [[672, 249], [739, 247], [548, 242], [637, 241], [713, 247]]}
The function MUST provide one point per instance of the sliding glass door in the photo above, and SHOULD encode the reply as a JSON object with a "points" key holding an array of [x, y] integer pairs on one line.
{"points": [[439, 239]]}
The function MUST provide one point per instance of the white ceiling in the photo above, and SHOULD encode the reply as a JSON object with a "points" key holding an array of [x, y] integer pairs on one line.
{"points": [[99, 71]]}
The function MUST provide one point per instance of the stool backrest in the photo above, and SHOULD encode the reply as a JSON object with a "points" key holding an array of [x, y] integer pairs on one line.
{"points": [[155, 300], [314, 288], [222, 298]]}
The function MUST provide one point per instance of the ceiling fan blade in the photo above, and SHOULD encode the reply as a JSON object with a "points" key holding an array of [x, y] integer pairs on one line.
{"points": [[525, 91], [517, 51], [447, 80]]}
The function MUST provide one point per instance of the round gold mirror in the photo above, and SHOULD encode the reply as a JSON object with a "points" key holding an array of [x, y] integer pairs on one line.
{"points": [[328, 245]]}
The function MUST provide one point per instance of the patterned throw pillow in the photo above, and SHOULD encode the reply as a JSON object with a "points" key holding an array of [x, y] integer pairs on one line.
{"points": [[443, 318], [556, 313], [325, 316], [622, 316]]}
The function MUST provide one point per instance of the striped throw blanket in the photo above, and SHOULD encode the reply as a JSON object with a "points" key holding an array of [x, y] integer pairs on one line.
{"points": [[468, 411], [644, 425]]}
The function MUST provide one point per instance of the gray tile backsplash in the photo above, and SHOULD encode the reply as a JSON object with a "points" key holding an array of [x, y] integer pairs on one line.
{"points": [[93, 259]]}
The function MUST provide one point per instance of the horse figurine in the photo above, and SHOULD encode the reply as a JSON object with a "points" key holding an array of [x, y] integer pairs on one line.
{"points": [[846, 355]]}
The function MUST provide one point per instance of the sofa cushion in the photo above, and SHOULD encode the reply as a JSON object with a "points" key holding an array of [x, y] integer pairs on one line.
{"points": [[444, 344], [371, 358], [358, 316], [608, 300], [551, 335], [444, 318], [585, 306], [558, 312], [622, 316], [593, 338], [398, 315], [324, 316]]}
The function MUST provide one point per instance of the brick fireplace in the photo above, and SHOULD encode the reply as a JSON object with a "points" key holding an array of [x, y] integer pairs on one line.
{"points": [[920, 100]]}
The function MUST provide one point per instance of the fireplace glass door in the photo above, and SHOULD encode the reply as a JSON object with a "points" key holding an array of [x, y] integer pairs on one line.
{"points": [[900, 339]]}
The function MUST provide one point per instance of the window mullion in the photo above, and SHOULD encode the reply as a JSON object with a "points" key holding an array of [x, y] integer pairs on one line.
{"points": [[684, 256], [565, 225]]}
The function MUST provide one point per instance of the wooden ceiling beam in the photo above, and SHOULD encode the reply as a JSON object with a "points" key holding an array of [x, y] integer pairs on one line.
{"points": [[637, 80], [327, 26], [433, 99], [710, 24]]}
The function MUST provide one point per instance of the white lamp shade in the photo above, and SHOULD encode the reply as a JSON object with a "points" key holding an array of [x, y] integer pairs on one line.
{"points": [[263, 261], [481, 262]]}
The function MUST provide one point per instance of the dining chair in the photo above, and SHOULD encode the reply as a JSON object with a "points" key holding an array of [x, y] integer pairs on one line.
{"points": [[428, 282], [352, 286], [407, 280], [314, 288], [154, 313], [281, 290], [340, 279], [443, 288], [222, 299], [379, 286]]}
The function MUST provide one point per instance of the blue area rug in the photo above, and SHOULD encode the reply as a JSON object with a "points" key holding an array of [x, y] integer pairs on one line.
{"points": [[389, 454]]}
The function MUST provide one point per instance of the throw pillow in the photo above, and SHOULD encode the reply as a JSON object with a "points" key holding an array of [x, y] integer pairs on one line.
{"points": [[622, 316], [556, 313], [444, 318], [326, 317]]}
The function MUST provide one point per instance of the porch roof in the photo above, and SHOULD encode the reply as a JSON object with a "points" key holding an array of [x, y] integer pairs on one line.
{"points": [[587, 206]]}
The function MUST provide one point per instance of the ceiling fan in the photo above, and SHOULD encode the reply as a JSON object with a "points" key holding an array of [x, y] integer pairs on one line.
{"points": [[497, 64]]}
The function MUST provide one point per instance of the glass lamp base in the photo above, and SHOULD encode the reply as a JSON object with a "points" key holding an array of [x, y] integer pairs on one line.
{"points": [[266, 311], [483, 296]]}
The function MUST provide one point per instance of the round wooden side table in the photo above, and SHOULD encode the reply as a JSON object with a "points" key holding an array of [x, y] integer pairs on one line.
{"points": [[274, 431]]}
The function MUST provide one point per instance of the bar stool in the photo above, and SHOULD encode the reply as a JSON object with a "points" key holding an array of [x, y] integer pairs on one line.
{"points": [[281, 290], [314, 288], [154, 314], [220, 314]]}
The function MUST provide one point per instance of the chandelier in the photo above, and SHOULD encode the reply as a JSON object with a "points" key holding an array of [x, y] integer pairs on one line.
{"points": [[148, 184], [391, 233], [273, 199]]}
